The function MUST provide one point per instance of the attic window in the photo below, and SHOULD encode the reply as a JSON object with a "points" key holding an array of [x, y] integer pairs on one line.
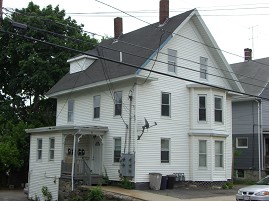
{"points": [[172, 60], [203, 67]]}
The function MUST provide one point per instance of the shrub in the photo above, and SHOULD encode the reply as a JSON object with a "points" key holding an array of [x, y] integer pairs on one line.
{"points": [[46, 194], [96, 194], [230, 185], [126, 183]]}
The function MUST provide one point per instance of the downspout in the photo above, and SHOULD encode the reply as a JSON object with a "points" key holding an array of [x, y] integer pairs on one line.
{"points": [[259, 140], [73, 160]]}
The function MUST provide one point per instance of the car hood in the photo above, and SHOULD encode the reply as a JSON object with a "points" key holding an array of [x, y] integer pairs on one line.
{"points": [[255, 188]]}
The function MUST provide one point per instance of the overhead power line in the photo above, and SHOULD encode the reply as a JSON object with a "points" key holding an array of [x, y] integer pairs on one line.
{"points": [[131, 65]]}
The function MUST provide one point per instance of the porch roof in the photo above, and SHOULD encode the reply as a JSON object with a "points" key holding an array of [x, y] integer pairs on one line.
{"points": [[82, 129]]}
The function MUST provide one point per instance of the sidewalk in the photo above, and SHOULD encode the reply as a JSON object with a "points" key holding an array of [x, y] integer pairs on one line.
{"points": [[150, 196]]}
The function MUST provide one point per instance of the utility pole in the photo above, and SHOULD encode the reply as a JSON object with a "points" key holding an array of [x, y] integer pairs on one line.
{"points": [[130, 121]]}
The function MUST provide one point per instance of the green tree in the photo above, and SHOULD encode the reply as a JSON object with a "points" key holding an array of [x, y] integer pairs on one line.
{"points": [[28, 69]]}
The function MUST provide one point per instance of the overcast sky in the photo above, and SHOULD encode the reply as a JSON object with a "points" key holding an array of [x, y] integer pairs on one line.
{"points": [[235, 25]]}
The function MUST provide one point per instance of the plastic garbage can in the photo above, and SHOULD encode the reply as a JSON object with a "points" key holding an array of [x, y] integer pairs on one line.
{"points": [[171, 181], [155, 181], [163, 183]]}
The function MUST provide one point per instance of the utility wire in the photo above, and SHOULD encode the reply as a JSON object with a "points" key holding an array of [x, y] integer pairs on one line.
{"points": [[131, 65], [154, 60]]}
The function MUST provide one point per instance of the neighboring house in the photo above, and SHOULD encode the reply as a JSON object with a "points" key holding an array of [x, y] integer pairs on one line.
{"points": [[101, 102], [251, 119]]}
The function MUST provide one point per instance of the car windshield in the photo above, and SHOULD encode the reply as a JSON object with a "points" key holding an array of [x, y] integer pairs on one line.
{"points": [[264, 181]]}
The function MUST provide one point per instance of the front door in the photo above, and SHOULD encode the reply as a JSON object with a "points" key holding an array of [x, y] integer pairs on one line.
{"points": [[97, 156]]}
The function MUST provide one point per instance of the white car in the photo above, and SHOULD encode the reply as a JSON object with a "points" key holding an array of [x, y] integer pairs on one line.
{"points": [[257, 192]]}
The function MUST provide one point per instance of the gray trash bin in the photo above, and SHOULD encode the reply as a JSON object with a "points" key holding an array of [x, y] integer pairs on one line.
{"points": [[155, 181]]}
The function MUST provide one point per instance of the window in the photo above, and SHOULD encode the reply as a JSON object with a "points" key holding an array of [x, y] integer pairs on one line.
{"points": [[202, 108], [39, 149], [218, 153], [51, 149], [165, 110], [117, 150], [218, 109], [165, 150], [241, 142], [240, 173], [203, 67], [202, 153], [118, 102], [70, 115], [172, 60], [96, 107]]}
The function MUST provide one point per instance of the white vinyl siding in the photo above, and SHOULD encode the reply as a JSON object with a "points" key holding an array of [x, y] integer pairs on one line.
{"points": [[70, 113], [172, 60], [202, 153], [165, 106], [241, 142], [117, 150], [96, 106], [165, 150], [203, 67]]}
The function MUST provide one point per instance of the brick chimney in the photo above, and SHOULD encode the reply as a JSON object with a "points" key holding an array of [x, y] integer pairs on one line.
{"points": [[248, 54], [164, 11], [117, 27]]}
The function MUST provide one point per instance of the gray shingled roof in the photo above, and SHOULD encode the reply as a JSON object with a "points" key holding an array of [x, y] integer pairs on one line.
{"points": [[253, 75], [149, 36]]}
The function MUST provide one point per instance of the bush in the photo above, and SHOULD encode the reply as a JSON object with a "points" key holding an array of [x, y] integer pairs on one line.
{"points": [[230, 185], [224, 186], [96, 194], [126, 183]]}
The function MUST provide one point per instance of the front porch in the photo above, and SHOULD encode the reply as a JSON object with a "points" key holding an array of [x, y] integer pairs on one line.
{"points": [[82, 157]]}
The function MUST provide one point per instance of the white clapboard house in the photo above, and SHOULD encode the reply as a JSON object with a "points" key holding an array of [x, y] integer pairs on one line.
{"points": [[155, 100]]}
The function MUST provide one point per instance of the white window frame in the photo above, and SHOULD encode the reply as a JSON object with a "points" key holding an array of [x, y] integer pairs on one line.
{"points": [[117, 102], [165, 149], [70, 110], [199, 108], [219, 155], [166, 104], [218, 109], [239, 146], [202, 154], [96, 106], [51, 149], [116, 148], [39, 149], [203, 68], [172, 60]]}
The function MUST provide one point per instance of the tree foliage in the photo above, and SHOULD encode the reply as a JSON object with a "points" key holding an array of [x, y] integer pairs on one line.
{"points": [[28, 69]]}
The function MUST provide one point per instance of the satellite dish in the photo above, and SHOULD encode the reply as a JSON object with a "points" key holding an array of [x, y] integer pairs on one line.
{"points": [[146, 126]]}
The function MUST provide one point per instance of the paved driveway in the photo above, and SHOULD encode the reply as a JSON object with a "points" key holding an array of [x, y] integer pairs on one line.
{"points": [[12, 195]]}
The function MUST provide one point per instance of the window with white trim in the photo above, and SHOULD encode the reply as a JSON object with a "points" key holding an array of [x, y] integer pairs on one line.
{"points": [[203, 67], [172, 60], [96, 106], [202, 108], [70, 113], [118, 103], [165, 107], [218, 108], [117, 150], [51, 148], [39, 149], [241, 142], [219, 153], [165, 150], [202, 153]]}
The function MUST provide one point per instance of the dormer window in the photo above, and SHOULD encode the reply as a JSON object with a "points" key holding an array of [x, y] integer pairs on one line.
{"points": [[172, 60]]}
